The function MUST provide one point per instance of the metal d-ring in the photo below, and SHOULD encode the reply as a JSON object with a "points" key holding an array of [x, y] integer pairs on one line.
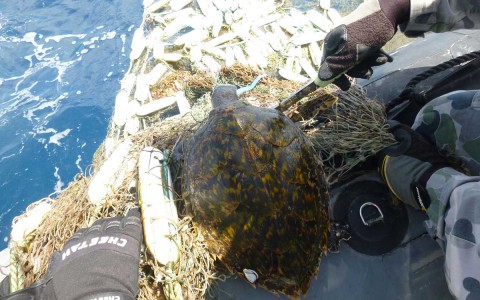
{"points": [[374, 221]]}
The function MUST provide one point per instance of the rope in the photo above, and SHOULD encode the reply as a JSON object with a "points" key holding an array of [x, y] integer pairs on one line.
{"points": [[408, 93]]}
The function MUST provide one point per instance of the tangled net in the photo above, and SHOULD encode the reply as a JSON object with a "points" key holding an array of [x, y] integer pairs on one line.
{"points": [[345, 127]]}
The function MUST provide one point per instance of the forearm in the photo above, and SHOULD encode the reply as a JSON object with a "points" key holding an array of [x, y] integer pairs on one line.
{"points": [[448, 189], [456, 213], [441, 15]]}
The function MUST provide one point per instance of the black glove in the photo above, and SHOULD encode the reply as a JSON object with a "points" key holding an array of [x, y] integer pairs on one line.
{"points": [[98, 262], [354, 47], [407, 166]]}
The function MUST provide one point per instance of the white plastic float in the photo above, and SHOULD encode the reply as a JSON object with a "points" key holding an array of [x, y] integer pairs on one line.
{"points": [[112, 173], [159, 213]]}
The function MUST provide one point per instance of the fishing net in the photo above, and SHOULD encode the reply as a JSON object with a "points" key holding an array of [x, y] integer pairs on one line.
{"points": [[345, 128]]}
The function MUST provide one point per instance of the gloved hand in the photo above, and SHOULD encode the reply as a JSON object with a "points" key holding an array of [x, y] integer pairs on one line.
{"points": [[99, 262], [407, 166], [354, 47]]}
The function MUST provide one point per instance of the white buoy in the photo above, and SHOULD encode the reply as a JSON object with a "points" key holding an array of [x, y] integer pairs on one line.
{"points": [[221, 39], [334, 16], [142, 89], [290, 58], [182, 102], [138, 44], [176, 5], [315, 53], [228, 16], [172, 56], [155, 106], [206, 7], [158, 51], [216, 52], [229, 57], [159, 213], [155, 74], [319, 20], [308, 68], [128, 82], [4, 263], [155, 37], [121, 109], [220, 4], [175, 26], [255, 56], [278, 31], [217, 23], [287, 24], [292, 76], [266, 20], [238, 14], [211, 64], [239, 55], [132, 126], [307, 38], [325, 4], [192, 38], [29, 222], [156, 6], [111, 174], [195, 54]]}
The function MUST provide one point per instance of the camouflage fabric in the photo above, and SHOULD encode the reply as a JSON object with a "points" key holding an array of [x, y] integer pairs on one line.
{"points": [[451, 122], [441, 15]]}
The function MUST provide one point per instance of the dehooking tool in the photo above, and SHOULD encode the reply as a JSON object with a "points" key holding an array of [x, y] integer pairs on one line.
{"points": [[376, 59], [302, 92]]}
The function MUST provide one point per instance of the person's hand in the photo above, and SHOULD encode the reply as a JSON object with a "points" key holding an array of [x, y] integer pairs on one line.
{"points": [[99, 262], [354, 47], [407, 166]]}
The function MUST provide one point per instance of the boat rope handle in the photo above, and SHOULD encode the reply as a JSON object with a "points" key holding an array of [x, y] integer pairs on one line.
{"points": [[408, 93]]}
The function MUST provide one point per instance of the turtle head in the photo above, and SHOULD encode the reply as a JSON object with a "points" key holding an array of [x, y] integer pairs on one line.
{"points": [[224, 94]]}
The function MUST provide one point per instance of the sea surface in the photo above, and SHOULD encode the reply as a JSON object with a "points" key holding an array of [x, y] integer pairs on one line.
{"points": [[60, 68]]}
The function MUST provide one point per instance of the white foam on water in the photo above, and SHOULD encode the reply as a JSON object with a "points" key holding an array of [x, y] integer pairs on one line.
{"points": [[58, 38], [55, 139], [91, 41], [108, 35], [7, 157], [123, 37], [77, 162], [59, 184]]}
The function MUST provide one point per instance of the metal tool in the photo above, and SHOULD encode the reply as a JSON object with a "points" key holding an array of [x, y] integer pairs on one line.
{"points": [[302, 92], [318, 83]]}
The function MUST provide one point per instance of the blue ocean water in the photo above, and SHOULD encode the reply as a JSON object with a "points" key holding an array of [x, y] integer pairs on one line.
{"points": [[61, 63]]}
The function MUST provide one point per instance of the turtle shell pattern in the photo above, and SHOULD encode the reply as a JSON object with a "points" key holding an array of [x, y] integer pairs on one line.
{"points": [[252, 181]]}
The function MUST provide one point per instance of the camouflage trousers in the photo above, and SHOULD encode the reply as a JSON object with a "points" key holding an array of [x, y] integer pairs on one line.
{"points": [[452, 123]]}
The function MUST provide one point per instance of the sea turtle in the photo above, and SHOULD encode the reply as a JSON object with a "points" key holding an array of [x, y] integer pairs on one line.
{"points": [[254, 185]]}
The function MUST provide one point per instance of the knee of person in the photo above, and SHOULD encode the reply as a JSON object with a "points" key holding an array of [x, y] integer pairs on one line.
{"points": [[456, 100], [446, 104]]}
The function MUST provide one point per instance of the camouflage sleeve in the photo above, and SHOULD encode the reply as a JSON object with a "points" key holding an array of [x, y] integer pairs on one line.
{"points": [[441, 15], [455, 214]]}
